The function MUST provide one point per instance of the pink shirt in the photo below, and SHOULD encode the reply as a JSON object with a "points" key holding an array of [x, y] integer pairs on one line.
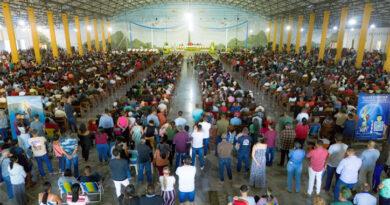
{"points": [[317, 158], [270, 137]]}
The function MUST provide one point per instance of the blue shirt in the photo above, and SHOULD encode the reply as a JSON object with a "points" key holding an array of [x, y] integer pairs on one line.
{"points": [[106, 122], [297, 156], [235, 121], [4, 162], [349, 128], [369, 157], [154, 118], [364, 198], [348, 169], [180, 121], [69, 144], [196, 114], [245, 143]]}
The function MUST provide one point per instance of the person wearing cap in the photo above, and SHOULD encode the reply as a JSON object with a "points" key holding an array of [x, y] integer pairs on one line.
{"points": [[244, 143], [224, 149]]}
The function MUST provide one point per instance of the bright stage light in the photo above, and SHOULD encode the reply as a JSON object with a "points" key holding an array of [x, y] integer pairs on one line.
{"points": [[302, 29], [352, 22], [40, 28], [334, 28], [89, 28], [188, 16], [352, 29], [21, 23], [109, 29], [288, 28], [75, 29], [267, 30], [372, 26], [251, 31]]}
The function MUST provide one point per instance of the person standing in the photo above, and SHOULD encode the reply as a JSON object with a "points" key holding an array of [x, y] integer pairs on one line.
{"points": [[144, 160], [384, 193], [284, 119], [101, 141], [180, 140], [222, 127], [70, 114], [17, 176], [4, 163], [153, 116], [120, 172], [180, 120], [294, 167], [317, 158], [167, 187], [244, 143], [136, 132], [38, 147], [224, 150], [303, 114], [150, 133], [258, 175], [85, 141], [37, 125], [380, 165], [270, 136], [161, 156], [150, 198], [186, 175], [287, 137], [349, 129], [301, 132], [69, 147], [364, 197], [336, 153], [348, 169], [369, 157], [206, 132], [107, 123], [197, 144], [197, 113]]}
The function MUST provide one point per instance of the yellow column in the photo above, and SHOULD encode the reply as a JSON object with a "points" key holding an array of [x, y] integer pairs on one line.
{"points": [[363, 35], [340, 37], [290, 24], [79, 43], [372, 39], [298, 40], [274, 39], [108, 32], [386, 66], [269, 32], [103, 36], [97, 45], [88, 29], [281, 36], [325, 23], [310, 32], [66, 30], [34, 34], [11, 33], [52, 34]]}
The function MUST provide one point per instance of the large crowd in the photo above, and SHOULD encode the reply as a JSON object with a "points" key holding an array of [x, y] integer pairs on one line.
{"points": [[319, 119]]}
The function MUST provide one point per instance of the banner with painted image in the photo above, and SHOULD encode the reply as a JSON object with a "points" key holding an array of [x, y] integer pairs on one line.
{"points": [[373, 112], [28, 106]]}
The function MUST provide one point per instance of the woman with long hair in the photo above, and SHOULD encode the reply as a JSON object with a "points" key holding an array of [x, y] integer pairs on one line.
{"points": [[129, 196], [136, 132], [85, 141], [258, 175], [17, 176], [48, 198], [268, 198], [76, 198], [123, 123], [101, 140], [167, 187], [161, 156], [255, 128]]}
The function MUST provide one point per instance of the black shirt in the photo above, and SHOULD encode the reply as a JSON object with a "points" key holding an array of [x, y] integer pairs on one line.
{"points": [[151, 200], [119, 169], [143, 153]]}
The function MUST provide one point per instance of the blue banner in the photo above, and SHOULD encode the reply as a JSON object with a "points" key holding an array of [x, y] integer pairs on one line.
{"points": [[373, 112]]}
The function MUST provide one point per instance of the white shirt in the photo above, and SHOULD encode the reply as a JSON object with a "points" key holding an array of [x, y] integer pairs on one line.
{"points": [[206, 129], [170, 183], [197, 139], [186, 175], [349, 169], [301, 116], [337, 152], [17, 174]]}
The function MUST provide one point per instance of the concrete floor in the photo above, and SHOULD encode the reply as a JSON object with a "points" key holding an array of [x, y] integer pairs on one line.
{"points": [[208, 190]]}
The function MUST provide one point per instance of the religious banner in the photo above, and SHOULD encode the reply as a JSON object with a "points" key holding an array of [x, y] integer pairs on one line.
{"points": [[373, 112], [26, 107]]}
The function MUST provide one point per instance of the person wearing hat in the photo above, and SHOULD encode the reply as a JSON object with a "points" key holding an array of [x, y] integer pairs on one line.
{"points": [[244, 143], [224, 149]]}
